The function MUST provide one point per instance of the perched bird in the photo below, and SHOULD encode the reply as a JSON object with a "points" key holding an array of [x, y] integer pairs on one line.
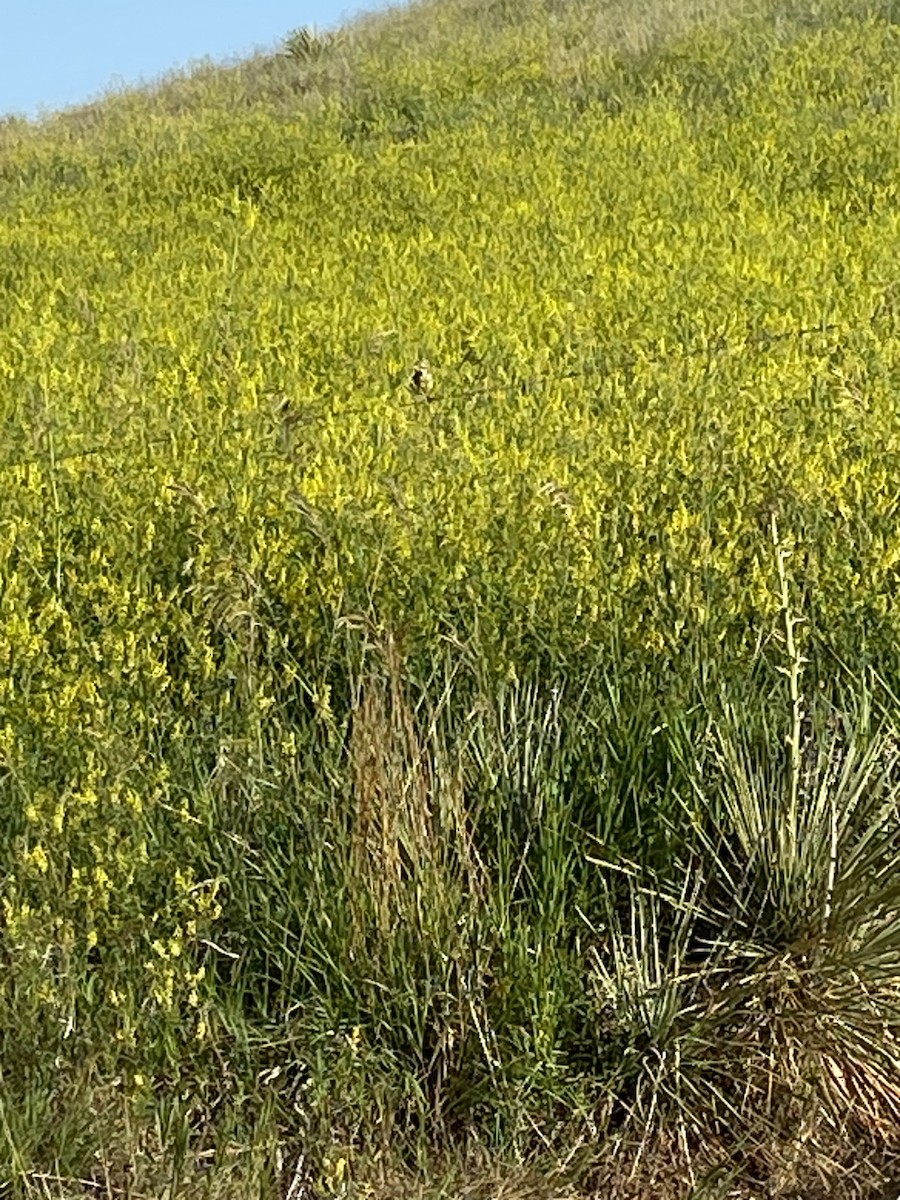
{"points": [[421, 382]]}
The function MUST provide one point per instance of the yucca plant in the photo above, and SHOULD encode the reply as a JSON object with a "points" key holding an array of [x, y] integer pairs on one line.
{"points": [[761, 991], [307, 44], [655, 1005], [803, 847]]}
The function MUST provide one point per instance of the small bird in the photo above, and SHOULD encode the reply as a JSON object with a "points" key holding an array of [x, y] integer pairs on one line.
{"points": [[421, 382]]}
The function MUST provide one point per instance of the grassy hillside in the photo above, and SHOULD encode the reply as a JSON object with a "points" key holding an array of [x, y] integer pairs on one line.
{"points": [[482, 772]]}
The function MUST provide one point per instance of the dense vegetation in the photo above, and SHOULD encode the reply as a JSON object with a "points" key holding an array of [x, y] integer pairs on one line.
{"points": [[490, 778]]}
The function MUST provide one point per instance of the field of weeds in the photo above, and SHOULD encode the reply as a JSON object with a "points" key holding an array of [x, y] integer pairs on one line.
{"points": [[449, 625]]}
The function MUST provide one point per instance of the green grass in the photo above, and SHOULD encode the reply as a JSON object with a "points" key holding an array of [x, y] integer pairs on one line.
{"points": [[485, 786]]}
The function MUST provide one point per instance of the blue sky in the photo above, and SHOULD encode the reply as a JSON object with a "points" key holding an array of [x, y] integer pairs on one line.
{"points": [[54, 53]]}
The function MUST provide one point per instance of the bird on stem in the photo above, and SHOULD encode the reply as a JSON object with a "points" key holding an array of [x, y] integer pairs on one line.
{"points": [[421, 383]]}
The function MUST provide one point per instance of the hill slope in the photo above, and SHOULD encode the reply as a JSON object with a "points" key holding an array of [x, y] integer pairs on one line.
{"points": [[253, 578], [578, 242]]}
